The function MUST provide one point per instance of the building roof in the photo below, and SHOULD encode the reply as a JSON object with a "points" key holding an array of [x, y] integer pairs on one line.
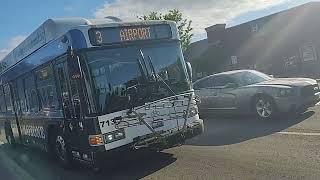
{"points": [[196, 49], [297, 8]]}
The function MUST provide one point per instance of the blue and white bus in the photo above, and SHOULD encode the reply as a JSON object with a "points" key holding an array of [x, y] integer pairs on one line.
{"points": [[84, 90]]}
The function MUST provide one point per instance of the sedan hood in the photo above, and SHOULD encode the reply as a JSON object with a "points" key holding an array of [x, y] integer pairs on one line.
{"points": [[289, 82]]}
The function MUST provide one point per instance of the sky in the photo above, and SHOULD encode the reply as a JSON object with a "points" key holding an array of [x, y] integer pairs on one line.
{"points": [[20, 18]]}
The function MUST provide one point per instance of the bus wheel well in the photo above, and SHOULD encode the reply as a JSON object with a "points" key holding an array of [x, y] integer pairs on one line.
{"points": [[51, 135]]}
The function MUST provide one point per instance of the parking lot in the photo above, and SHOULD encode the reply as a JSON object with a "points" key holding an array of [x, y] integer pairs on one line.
{"points": [[230, 148]]}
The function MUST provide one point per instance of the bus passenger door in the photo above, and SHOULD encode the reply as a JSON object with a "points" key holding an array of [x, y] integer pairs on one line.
{"points": [[70, 102]]}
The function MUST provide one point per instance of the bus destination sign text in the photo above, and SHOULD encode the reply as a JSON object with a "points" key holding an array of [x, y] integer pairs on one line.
{"points": [[110, 35], [132, 34]]}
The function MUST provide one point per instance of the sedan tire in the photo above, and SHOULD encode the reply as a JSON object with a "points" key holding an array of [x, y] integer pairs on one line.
{"points": [[264, 107]]}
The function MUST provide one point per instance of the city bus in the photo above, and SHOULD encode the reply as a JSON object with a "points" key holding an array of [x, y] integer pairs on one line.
{"points": [[87, 90]]}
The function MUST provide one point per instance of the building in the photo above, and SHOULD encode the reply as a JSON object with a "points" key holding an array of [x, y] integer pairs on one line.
{"points": [[284, 44]]}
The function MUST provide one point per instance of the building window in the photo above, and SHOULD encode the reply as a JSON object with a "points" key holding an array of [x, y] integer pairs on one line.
{"points": [[254, 28], [308, 53], [234, 60]]}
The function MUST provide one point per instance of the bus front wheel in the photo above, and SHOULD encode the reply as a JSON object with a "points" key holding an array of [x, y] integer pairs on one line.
{"points": [[62, 152], [10, 139]]}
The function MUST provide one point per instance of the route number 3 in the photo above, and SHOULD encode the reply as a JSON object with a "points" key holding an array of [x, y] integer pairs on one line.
{"points": [[99, 37]]}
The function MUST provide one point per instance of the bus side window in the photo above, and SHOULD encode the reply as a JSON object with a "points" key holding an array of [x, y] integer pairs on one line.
{"points": [[21, 95], [31, 94], [7, 97], [45, 85], [15, 97], [2, 101], [63, 87], [75, 97]]}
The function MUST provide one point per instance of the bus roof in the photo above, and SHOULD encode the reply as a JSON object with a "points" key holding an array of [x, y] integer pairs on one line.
{"points": [[52, 29], [49, 30]]}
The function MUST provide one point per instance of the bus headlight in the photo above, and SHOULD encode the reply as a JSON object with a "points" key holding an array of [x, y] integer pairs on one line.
{"points": [[114, 136]]}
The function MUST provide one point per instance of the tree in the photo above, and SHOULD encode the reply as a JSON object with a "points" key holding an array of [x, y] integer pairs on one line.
{"points": [[184, 25]]}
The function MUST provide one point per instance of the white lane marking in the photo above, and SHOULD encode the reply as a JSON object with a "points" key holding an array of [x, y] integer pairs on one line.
{"points": [[299, 133]]}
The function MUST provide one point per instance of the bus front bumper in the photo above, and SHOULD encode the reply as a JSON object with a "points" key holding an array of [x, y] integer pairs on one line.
{"points": [[148, 142], [171, 139]]}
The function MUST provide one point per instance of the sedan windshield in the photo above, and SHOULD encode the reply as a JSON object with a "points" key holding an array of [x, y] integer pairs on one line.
{"points": [[121, 76], [245, 78]]}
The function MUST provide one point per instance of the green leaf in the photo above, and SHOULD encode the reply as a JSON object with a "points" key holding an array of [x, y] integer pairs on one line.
{"points": [[183, 25]]}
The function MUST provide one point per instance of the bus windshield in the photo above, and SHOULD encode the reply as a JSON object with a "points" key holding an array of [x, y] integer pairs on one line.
{"points": [[120, 77]]}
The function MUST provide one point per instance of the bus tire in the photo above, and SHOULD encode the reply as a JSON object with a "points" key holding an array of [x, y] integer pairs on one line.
{"points": [[10, 138], [62, 151], [51, 142], [11, 141]]}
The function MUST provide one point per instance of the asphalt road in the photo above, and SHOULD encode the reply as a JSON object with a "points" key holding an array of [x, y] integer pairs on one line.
{"points": [[231, 148]]}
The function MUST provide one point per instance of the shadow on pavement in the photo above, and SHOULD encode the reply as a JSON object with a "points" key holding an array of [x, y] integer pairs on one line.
{"points": [[33, 164], [226, 130]]}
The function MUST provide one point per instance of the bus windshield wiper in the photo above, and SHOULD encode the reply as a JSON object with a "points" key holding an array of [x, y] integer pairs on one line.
{"points": [[158, 77], [142, 67], [155, 75]]}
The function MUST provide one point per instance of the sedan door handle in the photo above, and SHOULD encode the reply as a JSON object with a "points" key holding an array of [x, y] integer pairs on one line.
{"points": [[215, 94]]}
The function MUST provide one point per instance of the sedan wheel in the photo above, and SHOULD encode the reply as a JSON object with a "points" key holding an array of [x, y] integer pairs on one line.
{"points": [[264, 107]]}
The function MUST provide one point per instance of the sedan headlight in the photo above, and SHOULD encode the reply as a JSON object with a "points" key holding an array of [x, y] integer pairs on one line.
{"points": [[285, 92]]}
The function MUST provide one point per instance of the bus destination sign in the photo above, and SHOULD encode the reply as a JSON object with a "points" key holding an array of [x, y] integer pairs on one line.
{"points": [[101, 36]]}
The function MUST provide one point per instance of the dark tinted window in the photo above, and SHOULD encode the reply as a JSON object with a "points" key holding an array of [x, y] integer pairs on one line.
{"points": [[207, 82], [7, 96], [31, 93], [45, 85], [22, 96], [15, 97], [2, 102], [250, 77], [220, 81], [112, 71]]}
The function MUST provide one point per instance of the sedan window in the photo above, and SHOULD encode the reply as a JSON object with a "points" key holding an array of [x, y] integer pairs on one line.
{"points": [[205, 83], [221, 81], [250, 77]]}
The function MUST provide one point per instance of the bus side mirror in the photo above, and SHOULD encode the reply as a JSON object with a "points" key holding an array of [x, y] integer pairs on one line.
{"points": [[189, 70], [73, 65]]}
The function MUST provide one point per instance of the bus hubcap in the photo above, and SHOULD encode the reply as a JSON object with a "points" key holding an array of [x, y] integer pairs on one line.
{"points": [[9, 139], [60, 148]]}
